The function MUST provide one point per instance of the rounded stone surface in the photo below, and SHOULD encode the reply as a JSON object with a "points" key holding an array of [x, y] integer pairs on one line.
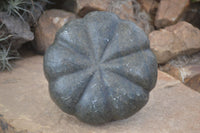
{"points": [[100, 68]]}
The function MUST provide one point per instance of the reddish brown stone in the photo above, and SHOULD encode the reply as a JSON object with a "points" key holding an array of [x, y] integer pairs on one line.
{"points": [[149, 5], [123, 9], [193, 79], [175, 40], [169, 11], [49, 23]]}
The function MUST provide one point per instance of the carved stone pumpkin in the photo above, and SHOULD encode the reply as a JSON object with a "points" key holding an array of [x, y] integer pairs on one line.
{"points": [[100, 68]]}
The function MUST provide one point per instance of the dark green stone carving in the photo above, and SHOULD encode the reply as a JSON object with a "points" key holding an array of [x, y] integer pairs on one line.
{"points": [[100, 68]]}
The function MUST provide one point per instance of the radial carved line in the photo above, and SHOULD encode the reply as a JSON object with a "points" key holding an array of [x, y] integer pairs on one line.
{"points": [[118, 55], [110, 42], [76, 70], [71, 47], [86, 86], [106, 93], [91, 43], [125, 77]]}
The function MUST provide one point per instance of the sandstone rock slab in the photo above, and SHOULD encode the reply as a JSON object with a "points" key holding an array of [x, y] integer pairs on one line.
{"points": [[174, 40], [169, 11], [25, 103], [48, 25]]}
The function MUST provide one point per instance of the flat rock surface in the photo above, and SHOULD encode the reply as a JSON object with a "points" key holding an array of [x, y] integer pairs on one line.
{"points": [[26, 105]]}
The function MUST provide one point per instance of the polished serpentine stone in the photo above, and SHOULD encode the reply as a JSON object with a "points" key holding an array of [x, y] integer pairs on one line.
{"points": [[100, 68]]}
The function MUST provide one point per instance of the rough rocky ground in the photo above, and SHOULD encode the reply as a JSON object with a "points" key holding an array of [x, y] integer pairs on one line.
{"points": [[26, 105]]}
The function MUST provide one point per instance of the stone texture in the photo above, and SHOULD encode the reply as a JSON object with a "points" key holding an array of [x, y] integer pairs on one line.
{"points": [[169, 11], [186, 69], [17, 27], [123, 9], [150, 6], [175, 40], [48, 25], [5, 127], [26, 104], [102, 66]]}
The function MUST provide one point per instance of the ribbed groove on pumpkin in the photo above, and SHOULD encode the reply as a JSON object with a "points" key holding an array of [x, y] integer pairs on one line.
{"points": [[71, 47], [91, 33], [123, 54], [128, 77], [80, 97], [110, 42]]}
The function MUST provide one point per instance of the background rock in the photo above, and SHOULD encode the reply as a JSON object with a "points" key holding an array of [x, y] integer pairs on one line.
{"points": [[169, 11], [25, 102], [123, 9], [186, 69], [178, 39], [150, 6], [19, 29], [49, 23]]}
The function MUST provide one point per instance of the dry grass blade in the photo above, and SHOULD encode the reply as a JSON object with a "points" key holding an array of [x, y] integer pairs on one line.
{"points": [[21, 7], [5, 57], [5, 38]]}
